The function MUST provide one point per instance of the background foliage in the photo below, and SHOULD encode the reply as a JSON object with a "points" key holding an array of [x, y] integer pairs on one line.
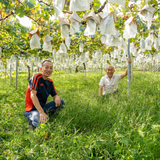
{"points": [[14, 37]]}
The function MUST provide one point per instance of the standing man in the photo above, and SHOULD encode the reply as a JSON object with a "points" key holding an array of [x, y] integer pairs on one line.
{"points": [[109, 83], [38, 90]]}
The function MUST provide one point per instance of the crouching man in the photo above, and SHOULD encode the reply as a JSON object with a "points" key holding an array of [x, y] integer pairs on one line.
{"points": [[109, 83], [39, 88]]}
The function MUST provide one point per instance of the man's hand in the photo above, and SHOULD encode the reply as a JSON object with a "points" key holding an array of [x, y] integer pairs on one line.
{"points": [[100, 90], [124, 74], [42, 114], [129, 61], [57, 100], [43, 117]]}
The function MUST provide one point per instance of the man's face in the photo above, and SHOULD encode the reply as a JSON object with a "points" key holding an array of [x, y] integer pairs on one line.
{"points": [[110, 71], [47, 69]]}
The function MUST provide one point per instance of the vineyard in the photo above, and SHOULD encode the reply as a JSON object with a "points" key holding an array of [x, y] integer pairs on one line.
{"points": [[81, 38]]}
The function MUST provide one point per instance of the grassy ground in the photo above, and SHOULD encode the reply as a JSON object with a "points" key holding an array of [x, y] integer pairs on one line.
{"points": [[119, 126]]}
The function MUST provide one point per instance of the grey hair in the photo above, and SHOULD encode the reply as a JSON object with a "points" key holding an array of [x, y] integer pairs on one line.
{"points": [[46, 60]]}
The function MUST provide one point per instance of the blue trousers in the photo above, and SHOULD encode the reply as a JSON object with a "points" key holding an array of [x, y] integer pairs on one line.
{"points": [[49, 108]]}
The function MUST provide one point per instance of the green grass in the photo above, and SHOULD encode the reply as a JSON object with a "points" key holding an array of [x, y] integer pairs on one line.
{"points": [[119, 126]]}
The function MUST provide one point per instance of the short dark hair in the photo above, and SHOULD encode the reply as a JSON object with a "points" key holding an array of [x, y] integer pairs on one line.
{"points": [[46, 60]]}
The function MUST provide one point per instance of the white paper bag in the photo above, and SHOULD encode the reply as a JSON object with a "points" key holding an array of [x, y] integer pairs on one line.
{"points": [[91, 28], [123, 59], [142, 45], [98, 55], [132, 47], [75, 20], [64, 31], [58, 7], [152, 37], [80, 5], [87, 55], [74, 27], [103, 39], [148, 43], [63, 48], [91, 15], [105, 57], [62, 52], [47, 44], [158, 58], [68, 42], [130, 28], [108, 57], [109, 39], [61, 55], [107, 23], [91, 20], [81, 46], [54, 53], [147, 11], [159, 38], [116, 53], [123, 45], [156, 45], [82, 58], [115, 42], [35, 42]]}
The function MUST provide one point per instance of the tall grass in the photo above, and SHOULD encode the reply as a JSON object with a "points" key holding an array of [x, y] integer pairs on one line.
{"points": [[121, 126]]}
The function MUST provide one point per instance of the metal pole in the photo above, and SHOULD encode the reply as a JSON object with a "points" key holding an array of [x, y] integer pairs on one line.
{"points": [[16, 71], [129, 65], [131, 68]]}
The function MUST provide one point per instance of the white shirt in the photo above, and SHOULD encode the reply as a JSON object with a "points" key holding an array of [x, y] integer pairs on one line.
{"points": [[109, 84]]}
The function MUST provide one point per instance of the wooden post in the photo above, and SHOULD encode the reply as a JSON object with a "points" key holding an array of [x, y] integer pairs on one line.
{"points": [[29, 76]]}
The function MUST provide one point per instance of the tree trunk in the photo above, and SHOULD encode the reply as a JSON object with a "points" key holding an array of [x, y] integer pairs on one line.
{"points": [[84, 70], [29, 75], [76, 70]]}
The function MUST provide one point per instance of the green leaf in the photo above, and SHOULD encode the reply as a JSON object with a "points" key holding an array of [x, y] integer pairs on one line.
{"points": [[20, 12], [116, 152], [30, 5], [125, 141]]}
